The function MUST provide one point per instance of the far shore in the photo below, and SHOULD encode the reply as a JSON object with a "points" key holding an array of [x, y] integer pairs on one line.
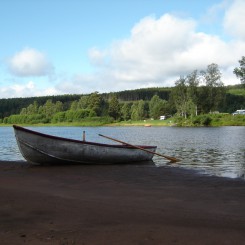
{"points": [[118, 204], [141, 123]]}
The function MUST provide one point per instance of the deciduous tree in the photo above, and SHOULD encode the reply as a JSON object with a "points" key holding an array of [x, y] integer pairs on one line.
{"points": [[157, 107], [240, 72], [213, 92], [114, 108]]}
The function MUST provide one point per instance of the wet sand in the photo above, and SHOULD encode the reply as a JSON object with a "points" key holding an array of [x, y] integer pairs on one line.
{"points": [[118, 204]]}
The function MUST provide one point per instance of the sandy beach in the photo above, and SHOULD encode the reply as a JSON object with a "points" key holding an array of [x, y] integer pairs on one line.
{"points": [[118, 204]]}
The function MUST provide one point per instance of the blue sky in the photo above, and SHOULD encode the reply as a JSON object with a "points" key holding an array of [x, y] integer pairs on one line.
{"points": [[54, 47]]}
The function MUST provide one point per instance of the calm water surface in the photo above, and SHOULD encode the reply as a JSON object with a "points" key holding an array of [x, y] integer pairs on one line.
{"points": [[216, 151]]}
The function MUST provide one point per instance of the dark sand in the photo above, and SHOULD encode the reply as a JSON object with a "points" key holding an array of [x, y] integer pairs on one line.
{"points": [[118, 204]]}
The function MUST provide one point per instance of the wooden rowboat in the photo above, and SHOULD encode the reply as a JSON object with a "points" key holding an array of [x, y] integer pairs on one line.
{"points": [[40, 148]]}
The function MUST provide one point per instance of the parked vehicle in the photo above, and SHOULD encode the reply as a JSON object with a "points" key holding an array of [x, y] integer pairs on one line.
{"points": [[239, 112]]}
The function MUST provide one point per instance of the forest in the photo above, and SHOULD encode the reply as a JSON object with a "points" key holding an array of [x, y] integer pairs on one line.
{"points": [[193, 96]]}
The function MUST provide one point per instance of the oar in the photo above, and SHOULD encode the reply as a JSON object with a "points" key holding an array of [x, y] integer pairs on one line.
{"points": [[172, 159]]}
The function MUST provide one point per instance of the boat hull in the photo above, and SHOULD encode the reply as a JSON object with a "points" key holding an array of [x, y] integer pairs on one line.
{"points": [[39, 148]]}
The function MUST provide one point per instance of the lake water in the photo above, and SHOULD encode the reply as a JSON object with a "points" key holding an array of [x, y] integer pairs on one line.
{"points": [[216, 151]]}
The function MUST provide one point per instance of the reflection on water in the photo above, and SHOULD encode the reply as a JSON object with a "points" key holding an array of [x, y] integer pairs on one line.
{"points": [[215, 151], [8, 147]]}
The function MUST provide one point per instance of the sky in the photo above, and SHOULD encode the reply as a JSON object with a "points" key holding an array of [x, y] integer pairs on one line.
{"points": [[55, 47]]}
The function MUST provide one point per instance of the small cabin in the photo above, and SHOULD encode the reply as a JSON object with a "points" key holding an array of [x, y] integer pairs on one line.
{"points": [[162, 117]]}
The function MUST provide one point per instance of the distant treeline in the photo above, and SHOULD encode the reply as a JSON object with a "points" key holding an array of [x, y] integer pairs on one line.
{"points": [[71, 107], [133, 104], [187, 99], [14, 105]]}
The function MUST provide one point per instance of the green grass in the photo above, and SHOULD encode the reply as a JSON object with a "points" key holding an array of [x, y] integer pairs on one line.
{"points": [[228, 120], [221, 119], [148, 122], [237, 91]]}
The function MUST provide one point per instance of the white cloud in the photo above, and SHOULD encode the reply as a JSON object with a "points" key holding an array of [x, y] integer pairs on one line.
{"points": [[17, 90], [77, 84], [28, 89], [147, 56], [96, 56], [156, 53], [159, 50], [215, 12], [29, 62], [234, 20]]}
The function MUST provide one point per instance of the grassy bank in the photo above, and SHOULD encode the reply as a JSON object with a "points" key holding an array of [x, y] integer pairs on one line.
{"points": [[148, 122], [215, 120], [228, 120], [201, 120]]}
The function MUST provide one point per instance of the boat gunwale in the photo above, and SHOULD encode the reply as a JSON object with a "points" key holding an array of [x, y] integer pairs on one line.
{"points": [[16, 127]]}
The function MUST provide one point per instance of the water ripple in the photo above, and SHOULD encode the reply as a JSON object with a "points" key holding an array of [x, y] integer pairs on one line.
{"points": [[214, 151]]}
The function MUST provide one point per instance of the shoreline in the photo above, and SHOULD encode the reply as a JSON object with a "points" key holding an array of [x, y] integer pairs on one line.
{"points": [[118, 204], [116, 125]]}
